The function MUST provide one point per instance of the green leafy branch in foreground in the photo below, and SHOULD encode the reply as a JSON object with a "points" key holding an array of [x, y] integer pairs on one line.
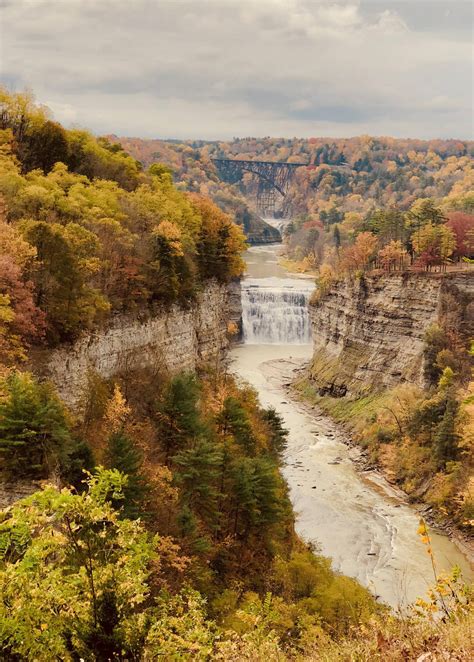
{"points": [[74, 574]]}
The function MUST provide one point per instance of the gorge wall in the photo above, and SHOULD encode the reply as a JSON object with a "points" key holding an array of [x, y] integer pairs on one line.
{"points": [[369, 332], [178, 339]]}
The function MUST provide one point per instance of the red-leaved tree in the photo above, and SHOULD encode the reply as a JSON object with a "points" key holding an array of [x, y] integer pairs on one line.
{"points": [[462, 225]]}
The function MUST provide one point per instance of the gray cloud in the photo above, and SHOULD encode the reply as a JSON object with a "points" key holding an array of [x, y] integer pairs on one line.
{"points": [[219, 68]]}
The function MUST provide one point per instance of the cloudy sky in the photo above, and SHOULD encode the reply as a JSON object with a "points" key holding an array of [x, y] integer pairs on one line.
{"points": [[215, 69]]}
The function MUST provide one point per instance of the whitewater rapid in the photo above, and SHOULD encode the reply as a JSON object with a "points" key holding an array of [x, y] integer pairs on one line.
{"points": [[275, 311]]}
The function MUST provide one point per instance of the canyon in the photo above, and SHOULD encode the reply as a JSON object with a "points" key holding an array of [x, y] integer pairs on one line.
{"points": [[365, 334], [352, 515]]}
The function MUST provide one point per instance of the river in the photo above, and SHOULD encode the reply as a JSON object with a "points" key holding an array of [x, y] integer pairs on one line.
{"points": [[355, 518]]}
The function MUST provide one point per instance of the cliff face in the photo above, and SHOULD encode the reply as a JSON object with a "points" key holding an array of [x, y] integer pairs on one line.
{"points": [[259, 232], [174, 340], [368, 333], [235, 307]]}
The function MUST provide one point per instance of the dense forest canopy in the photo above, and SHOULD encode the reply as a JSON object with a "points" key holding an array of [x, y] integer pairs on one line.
{"points": [[415, 198], [380, 172]]}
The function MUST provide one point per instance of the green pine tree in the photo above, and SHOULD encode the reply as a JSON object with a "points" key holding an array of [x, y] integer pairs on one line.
{"points": [[122, 454], [268, 491], [80, 460], [178, 416], [278, 433], [34, 434], [243, 515], [259, 498], [198, 475], [233, 420]]}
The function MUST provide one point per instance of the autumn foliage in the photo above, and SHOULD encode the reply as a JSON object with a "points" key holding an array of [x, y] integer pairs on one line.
{"points": [[91, 234]]}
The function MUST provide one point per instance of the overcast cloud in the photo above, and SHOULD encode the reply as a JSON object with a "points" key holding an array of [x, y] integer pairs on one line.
{"points": [[221, 68]]}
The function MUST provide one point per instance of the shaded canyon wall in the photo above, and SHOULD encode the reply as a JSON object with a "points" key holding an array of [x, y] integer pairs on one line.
{"points": [[369, 332]]}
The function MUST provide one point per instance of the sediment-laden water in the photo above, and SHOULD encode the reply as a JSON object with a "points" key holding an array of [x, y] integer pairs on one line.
{"points": [[356, 519]]}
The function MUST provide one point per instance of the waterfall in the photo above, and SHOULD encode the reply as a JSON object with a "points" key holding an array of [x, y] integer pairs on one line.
{"points": [[275, 311]]}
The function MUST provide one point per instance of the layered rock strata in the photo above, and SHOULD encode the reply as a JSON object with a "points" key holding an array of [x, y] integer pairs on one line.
{"points": [[369, 332], [174, 340]]}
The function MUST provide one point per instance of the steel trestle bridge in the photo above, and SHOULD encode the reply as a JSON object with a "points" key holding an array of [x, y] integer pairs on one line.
{"points": [[274, 178]]}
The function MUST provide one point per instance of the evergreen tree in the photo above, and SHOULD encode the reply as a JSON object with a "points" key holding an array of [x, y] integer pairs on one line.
{"points": [[334, 216], [425, 211], [79, 461], [278, 433], [244, 513], [258, 497], [122, 454], [268, 491], [197, 473], [34, 434], [387, 224], [446, 438], [104, 637], [336, 236], [178, 416], [233, 419]]}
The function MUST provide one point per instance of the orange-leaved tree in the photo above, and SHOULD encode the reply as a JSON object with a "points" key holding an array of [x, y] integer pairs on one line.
{"points": [[20, 319], [393, 256], [358, 255]]}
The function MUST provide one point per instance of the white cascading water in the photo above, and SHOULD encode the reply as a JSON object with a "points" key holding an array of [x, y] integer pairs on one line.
{"points": [[275, 311]]}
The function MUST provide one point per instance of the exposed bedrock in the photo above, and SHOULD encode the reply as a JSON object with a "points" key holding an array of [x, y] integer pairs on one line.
{"points": [[174, 340], [369, 332]]}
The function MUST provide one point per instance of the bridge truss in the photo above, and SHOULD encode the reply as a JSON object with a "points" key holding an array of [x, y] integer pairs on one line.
{"points": [[274, 179]]}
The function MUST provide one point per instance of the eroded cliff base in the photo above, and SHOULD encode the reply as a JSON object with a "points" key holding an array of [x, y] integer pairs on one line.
{"points": [[391, 364]]}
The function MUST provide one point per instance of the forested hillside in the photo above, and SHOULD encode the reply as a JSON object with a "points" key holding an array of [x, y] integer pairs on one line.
{"points": [[193, 170], [378, 171], [86, 232], [372, 172]]}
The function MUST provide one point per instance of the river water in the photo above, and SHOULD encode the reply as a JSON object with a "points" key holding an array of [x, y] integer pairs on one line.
{"points": [[354, 518]]}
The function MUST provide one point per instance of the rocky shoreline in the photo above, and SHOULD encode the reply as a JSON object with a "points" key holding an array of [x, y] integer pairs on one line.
{"points": [[377, 478]]}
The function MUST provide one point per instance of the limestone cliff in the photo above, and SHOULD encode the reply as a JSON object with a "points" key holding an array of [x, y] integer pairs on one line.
{"points": [[178, 339], [368, 332]]}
